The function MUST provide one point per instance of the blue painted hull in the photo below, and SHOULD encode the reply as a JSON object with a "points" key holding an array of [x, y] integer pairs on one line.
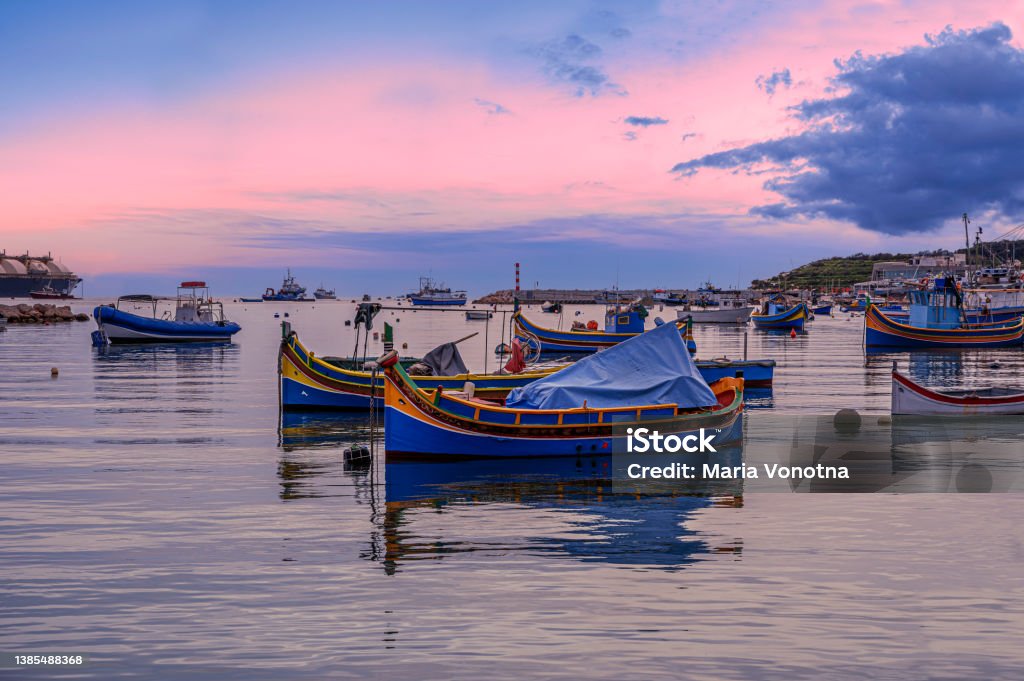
{"points": [[124, 327], [823, 310], [436, 301], [793, 318], [882, 331], [410, 436]]}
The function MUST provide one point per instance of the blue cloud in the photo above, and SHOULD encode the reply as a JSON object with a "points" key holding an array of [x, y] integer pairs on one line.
{"points": [[569, 61], [909, 141], [493, 108], [645, 121], [772, 81], [629, 136]]}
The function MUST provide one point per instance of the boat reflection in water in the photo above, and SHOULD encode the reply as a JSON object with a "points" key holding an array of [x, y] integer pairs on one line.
{"points": [[556, 507]]}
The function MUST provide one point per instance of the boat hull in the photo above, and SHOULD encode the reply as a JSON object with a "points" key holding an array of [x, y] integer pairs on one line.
{"points": [[731, 315], [882, 331], [911, 399], [416, 436], [823, 310], [792, 318], [117, 326], [416, 300], [430, 424]]}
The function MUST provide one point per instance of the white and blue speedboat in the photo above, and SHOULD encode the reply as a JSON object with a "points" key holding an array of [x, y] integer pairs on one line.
{"points": [[197, 319]]}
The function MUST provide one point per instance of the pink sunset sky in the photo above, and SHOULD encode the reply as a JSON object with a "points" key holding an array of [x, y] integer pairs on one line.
{"points": [[214, 138]]}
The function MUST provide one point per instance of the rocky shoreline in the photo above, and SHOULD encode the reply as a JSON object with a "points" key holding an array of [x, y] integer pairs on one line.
{"points": [[40, 313]]}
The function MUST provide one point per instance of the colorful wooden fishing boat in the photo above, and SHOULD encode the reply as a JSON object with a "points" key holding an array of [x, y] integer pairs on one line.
{"points": [[937, 320], [776, 313], [435, 423], [910, 398], [822, 310], [314, 383], [621, 323]]}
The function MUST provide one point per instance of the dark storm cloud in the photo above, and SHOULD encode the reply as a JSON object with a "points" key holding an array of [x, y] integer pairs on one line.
{"points": [[911, 140]]}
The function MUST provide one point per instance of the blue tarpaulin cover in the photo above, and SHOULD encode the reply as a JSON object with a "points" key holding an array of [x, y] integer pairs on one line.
{"points": [[651, 368]]}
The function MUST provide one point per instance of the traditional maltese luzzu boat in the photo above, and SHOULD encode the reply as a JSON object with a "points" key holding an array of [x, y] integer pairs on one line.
{"points": [[648, 381], [776, 313], [937, 320], [313, 383]]}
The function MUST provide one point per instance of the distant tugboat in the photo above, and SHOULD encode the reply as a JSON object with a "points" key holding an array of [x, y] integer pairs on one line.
{"points": [[324, 294], [289, 292], [432, 294], [50, 293]]}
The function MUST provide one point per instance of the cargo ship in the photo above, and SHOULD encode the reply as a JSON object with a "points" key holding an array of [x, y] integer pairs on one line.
{"points": [[20, 275]]}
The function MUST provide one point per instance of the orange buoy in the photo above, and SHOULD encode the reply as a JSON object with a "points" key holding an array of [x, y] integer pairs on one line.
{"points": [[792, 333]]}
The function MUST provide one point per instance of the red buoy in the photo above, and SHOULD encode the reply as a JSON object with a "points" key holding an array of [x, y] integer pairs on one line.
{"points": [[792, 333]]}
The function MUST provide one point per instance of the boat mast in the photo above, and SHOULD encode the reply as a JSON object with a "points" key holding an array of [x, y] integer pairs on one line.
{"points": [[967, 243]]}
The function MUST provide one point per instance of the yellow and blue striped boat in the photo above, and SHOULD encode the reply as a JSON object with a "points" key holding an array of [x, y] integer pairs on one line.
{"points": [[312, 383]]}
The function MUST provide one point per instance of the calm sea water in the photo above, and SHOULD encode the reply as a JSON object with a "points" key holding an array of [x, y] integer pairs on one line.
{"points": [[156, 516]]}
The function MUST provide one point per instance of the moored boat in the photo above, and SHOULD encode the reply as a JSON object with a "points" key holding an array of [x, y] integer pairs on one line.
{"points": [[431, 293], [910, 398], [621, 323], [822, 310], [478, 314], [313, 383], [290, 291], [197, 319], [937, 320], [776, 313], [325, 293], [648, 380], [724, 311], [50, 293]]}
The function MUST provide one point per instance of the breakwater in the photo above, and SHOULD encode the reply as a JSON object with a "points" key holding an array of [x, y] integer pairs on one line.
{"points": [[40, 313]]}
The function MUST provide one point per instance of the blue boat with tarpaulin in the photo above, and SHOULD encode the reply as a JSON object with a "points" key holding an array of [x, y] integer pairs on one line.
{"points": [[648, 380]]}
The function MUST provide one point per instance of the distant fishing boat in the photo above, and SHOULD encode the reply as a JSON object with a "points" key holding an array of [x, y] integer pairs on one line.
{"points": [[777, 313], [290, 291], [822, 310], [325, 294], [552, 308], [584, 409], [197, 319], [937, 320], [49, 293], [431, 293], [316, 383], [715, 307], [910, 398], [670, 298], [621, 323], [472, 315]]}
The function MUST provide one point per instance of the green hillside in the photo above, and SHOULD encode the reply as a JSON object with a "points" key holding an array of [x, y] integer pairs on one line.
{"points": [[829, 272]]}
